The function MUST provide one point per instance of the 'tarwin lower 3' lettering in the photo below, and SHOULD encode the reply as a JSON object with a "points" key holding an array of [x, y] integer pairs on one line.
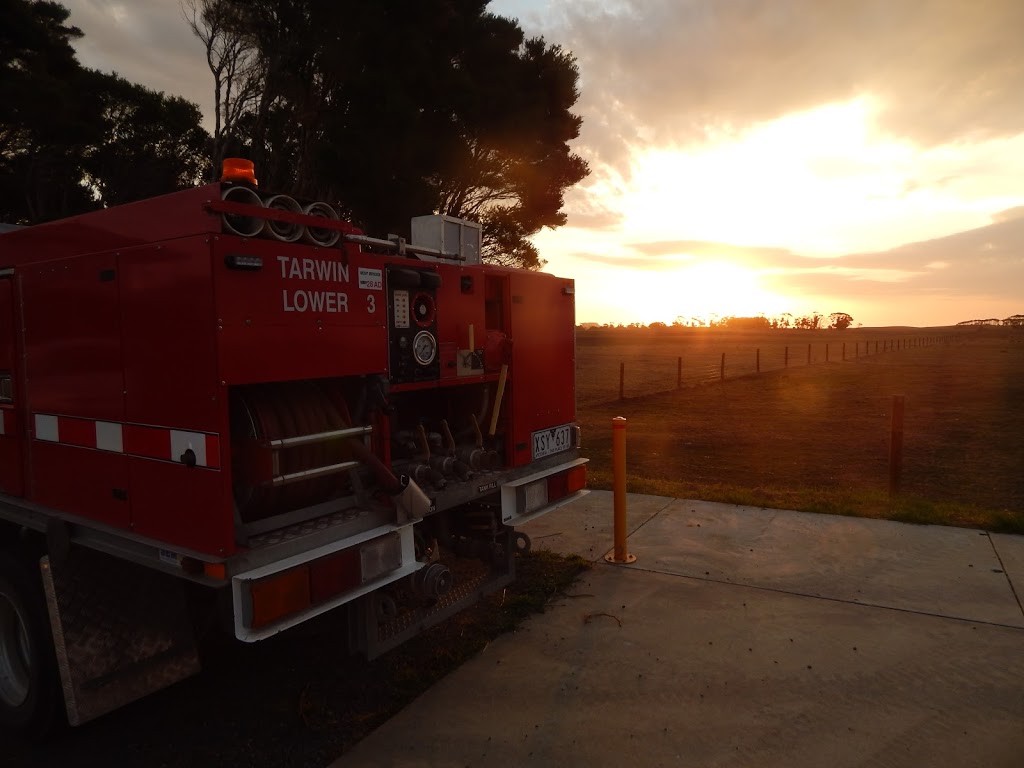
{"points": [[315, 301]]}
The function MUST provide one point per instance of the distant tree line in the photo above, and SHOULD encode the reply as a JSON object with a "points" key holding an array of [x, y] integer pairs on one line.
{"points": [[814, 321], [1014, 321]]}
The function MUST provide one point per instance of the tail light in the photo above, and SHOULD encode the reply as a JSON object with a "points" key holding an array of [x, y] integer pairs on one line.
{"points": [[564, 483], [305, 586], [547, 490]]}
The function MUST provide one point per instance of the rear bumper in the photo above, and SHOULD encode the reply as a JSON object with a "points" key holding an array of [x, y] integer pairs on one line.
{"points": [[516, 506], [242, 583]]}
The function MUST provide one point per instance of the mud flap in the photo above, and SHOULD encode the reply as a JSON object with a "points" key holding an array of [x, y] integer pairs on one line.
{"points": [[373, 632], [121, 631]]}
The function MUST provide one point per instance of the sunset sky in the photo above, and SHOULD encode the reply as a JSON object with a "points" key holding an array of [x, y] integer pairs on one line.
{"points": [[751, 156]]}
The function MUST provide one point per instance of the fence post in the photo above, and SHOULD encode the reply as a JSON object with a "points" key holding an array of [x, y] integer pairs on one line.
{"points": [[622, 381], [620, 530], [787, 357], [896, 446], [758, 363], [721, 373], [679, 374]]}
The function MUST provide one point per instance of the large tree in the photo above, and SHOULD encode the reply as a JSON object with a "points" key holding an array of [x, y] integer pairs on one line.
{"points": [[394, 109], [73, 139], [41, 115], [147, 143]]}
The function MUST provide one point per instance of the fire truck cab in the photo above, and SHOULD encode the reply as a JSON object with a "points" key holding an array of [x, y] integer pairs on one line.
{"points": [[221, 392]]}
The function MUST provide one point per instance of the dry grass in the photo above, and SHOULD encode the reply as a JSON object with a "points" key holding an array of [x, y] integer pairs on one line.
{"points": [[816, 438]]}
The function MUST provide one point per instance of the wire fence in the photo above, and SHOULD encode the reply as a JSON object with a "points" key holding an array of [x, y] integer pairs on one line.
{"points": [[617, 371]]}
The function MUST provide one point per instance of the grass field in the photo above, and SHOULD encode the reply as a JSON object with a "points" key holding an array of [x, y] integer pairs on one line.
{"points": [[816, 437]]}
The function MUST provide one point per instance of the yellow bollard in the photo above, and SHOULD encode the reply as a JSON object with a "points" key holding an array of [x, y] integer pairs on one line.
{"points": [[618, 553]]}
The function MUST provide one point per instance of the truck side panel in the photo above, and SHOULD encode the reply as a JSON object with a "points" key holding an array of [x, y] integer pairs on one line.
{"points": [[305, 313], [188, 507], [169, 337], [11, 427], [543, 357], [82, 481], [460, 303], [73, 337], [170, 216], [75, 381], [174, 402]]}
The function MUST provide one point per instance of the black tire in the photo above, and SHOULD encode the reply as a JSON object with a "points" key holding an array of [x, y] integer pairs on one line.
{"points": [[31, 701]]}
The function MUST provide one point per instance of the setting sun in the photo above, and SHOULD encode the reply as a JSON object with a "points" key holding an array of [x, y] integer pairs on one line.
{"points": [[720, 288]]}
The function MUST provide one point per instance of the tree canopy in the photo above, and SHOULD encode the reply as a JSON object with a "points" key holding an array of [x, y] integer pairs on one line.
{"points": [[73, 139], [397, 109]]}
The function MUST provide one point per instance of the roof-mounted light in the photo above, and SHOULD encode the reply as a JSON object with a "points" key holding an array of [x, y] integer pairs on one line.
{"points": [[239, 171]]}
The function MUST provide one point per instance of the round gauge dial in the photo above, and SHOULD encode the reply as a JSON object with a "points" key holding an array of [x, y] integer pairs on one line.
{"points": [[424, 348]]}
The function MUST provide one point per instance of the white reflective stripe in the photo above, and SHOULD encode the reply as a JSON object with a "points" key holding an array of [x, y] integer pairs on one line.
{"points": [[109, 436], [182, 441], [46, 428]]}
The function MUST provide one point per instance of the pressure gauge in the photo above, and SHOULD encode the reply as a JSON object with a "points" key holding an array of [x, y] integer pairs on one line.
{"points": [[424, 348]]}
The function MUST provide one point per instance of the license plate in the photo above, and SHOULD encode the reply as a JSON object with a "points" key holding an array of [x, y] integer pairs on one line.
{"points": [[554, 440]]}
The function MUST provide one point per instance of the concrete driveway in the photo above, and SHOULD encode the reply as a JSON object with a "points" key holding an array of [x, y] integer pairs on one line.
{"points": [[743, 637]]}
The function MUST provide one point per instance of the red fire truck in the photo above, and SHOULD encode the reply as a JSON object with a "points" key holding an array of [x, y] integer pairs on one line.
{"points": [[224, 403]]}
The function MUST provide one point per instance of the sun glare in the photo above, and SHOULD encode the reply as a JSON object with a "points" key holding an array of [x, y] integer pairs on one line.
{"points": [[748, 211], [782, 182], [701, 292]]}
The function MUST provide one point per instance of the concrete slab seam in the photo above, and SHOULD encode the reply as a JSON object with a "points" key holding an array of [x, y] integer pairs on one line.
{"points": [[645, 522], [1006, 573], [776, 590], [600, 558]]}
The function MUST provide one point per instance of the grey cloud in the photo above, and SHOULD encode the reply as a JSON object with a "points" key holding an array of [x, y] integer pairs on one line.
{"points": [[1009, 214], [984, 262], [662, 262], [585, 210], [145, 41], [594, 220], [685, 71], [705, 248]]}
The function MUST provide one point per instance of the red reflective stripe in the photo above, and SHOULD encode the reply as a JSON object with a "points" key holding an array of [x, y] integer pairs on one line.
{"points": [[135, 439], [77, 431], [213, 451], [147, 441]]}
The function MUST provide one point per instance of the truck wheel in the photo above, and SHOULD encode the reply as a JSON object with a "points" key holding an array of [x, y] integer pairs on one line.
{"points": [[29, 684]]}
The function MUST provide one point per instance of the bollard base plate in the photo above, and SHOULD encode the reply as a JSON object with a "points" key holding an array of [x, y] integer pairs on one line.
{"points": [[610, 557]]}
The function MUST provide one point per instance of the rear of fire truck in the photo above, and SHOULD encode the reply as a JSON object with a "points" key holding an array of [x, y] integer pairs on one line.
{"points": [[233, 401]]}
